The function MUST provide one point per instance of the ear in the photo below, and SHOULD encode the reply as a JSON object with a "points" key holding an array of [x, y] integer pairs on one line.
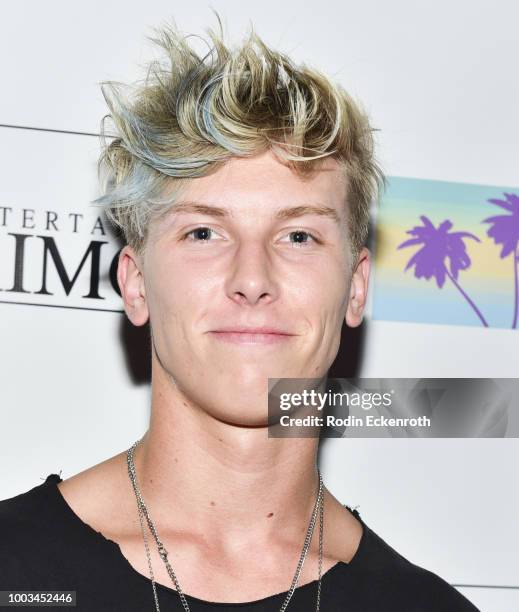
{"points": [[358, 289], [131, 284]]}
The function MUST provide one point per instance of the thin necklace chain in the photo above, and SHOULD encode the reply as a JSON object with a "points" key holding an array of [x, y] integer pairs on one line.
{"points": [[163, 553]]}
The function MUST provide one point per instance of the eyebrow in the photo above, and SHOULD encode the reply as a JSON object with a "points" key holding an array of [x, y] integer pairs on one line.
{"points": [[282, 214]]}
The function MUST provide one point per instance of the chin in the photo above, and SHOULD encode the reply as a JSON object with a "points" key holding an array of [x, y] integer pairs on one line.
{"points": [[243, 406], [242, 419]]}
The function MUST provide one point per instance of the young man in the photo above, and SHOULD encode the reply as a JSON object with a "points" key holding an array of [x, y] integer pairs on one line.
{"points": [[242, 184]]}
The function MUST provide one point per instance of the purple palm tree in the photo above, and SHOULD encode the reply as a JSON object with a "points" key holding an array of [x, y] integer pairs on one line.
{"points": [[505, 230], [438, 245]]}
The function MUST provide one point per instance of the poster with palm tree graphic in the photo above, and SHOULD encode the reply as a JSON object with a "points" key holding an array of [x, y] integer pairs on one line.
{"points": [[447, 253]]}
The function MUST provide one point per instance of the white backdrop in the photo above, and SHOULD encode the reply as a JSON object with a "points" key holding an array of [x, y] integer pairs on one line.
{"points": [[440, 81]]}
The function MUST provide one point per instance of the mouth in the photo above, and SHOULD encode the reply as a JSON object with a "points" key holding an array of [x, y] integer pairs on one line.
{"points": [[259, 335]]}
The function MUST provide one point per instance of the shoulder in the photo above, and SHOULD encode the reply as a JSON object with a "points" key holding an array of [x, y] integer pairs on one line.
{"points": [[40, 520], [25, 526], [41, 527], [438, 594], [388, 574], [98, 496], [378, 575], [432, 592], [24, 509]]}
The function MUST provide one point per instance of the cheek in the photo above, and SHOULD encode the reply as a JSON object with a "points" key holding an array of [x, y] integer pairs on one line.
{"points": [[178, 287], [322, 296], [179, 303]]}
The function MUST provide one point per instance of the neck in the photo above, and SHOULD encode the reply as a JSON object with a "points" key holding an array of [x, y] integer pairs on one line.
{"points": [[215, 478]]}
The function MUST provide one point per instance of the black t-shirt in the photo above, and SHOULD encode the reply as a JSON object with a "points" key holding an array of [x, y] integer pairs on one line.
{"points": [[44, 545]]}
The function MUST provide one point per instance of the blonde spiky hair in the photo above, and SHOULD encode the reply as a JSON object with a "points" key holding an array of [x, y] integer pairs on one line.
{"points": [[195, 113]]}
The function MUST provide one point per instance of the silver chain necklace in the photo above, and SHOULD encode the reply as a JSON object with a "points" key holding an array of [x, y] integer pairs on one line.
{"points": [[143, 512]]}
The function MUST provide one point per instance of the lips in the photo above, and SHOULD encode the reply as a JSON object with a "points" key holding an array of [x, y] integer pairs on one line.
{"points": [[252, 335], [252, 330]]}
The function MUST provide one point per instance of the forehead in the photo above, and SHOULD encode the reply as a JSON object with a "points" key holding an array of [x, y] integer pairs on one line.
{"points": [[261, 185]]}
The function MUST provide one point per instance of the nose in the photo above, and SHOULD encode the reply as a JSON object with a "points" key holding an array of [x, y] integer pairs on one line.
{"points": [[251, 279]]}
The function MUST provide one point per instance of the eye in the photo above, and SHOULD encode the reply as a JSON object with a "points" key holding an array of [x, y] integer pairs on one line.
{"points": [[301, 238], [201, 234]]}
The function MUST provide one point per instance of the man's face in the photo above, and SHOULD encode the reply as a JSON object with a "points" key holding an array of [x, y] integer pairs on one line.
{"points": [[246, 265]]}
